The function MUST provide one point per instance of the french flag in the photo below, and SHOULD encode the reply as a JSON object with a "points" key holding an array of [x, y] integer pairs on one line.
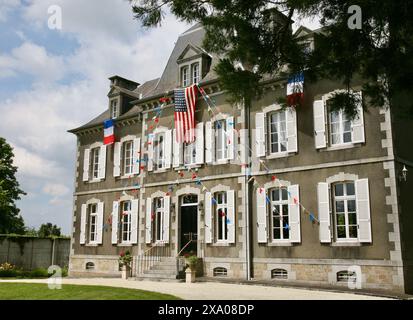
{"points": [[108, 135], [295, 89]]}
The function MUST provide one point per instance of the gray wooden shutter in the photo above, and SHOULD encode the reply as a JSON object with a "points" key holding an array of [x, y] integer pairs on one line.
{"points": [[230, 137], [86, 164], [262, 234], [100, 222], [199, 142], [260, 134], [148, 221], [363, 210], [208, 217], [136, 155], [83, 220], [323, 197], [319, 124], [168, 148], [134, 221], [357, 125], [291, 116], [116, 159], [151, 139], [294, 214], [102, 162], [166, 218], [231, 216], [115, 222], [177, 151], [209, 142]]}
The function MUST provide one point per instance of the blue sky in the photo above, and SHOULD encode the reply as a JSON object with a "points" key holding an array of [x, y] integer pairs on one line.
{"points": [[55, 80]]}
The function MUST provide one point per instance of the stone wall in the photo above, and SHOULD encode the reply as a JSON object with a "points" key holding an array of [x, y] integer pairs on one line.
{"points": [[30, 253]]}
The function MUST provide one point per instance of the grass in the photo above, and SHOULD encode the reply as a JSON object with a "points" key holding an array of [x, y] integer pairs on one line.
{"points": [[34, 291]]}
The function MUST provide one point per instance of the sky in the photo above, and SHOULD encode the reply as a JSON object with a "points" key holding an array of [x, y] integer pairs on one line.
{"points": [[53, 80]]}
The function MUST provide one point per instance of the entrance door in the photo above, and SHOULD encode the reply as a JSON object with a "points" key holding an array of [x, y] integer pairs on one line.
{"points": [[189, 224]]}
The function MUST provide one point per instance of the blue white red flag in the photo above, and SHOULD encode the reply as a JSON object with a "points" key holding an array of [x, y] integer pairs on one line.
{"points": [[108, 132], [295, 89]]}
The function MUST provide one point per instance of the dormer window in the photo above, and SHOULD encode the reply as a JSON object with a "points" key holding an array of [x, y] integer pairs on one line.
{"points": [[114, 109], [195, 73], [185, 76]]}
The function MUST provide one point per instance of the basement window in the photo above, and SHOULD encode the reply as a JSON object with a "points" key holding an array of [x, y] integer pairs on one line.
{"points": [[346, 276], [279, 274], [220, 272], [90, 266]]}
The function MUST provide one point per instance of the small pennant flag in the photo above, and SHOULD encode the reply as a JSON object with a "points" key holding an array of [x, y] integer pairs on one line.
{"points": [[273, 178], [108, 132]]}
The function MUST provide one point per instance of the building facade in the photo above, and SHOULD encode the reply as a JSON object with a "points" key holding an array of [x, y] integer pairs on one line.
{"points": [[300, 196]]}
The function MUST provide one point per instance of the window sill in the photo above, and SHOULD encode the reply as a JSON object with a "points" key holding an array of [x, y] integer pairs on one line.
{"points": [[95, 180], [221, 244], [278, 155], [186, 167], [160, 171], [280, 244], [346, 244], [341, 147], [127, 176], [219, 162], [91, 244], [125, 244]]}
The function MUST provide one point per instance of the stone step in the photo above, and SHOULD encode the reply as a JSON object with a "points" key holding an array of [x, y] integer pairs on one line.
{"points": [[156, 276], [154, 271], [159, 279], [166, 267]]}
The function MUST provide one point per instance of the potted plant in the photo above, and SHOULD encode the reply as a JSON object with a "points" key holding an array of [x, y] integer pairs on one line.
{"points": [[125, 259], [190, 271]]}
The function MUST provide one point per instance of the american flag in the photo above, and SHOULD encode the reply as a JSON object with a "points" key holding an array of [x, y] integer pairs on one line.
{"points": [[185, 103]]}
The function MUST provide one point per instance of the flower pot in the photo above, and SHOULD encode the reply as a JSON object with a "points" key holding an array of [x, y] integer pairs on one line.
{"points": [[190, 275], [125, 273]]}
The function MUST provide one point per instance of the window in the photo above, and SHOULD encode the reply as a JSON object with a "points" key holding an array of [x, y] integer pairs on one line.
{"points": [[220, 272], [277, 132], [93, 216], [340, 128], [190, 153], [279, 274], [221, 216], [159, 151], [195, 73], [279, 214], [114, 109], [221, 143], [128, 157], [90, 266], [126, 221], [344, 205], [346, 276], [185, 76], [95, 163], [158, 219]]}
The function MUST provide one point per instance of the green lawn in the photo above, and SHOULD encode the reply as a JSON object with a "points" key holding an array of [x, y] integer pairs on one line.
{"points": [[35, 291]]}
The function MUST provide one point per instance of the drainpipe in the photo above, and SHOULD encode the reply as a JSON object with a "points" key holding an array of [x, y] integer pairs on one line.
{"points": [[247, 209]]}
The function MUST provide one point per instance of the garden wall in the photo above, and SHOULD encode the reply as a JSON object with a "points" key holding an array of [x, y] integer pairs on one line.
{"points": [[31, 252]]}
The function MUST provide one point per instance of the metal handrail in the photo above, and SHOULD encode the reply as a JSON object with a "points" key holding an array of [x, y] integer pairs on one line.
{"points": [[183, 248], [151, 256]]}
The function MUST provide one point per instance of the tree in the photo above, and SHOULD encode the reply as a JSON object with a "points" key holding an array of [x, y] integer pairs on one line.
{"points": [[48, 230], [254, 33], [10, 220]]}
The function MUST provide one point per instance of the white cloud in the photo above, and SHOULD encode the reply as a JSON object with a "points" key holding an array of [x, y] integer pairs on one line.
{"points": [[6, 6], [55, 189]]}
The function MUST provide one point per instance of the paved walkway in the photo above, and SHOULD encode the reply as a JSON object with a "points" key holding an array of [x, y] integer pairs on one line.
{"points": [[214, 290]]}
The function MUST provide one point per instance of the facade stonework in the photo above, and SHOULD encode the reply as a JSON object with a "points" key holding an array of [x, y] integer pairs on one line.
{"points": [[266, 201]]}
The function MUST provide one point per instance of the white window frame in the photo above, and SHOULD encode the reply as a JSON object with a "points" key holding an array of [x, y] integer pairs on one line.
{"points": [[93, 215], [221, 134], [189, 153], [94, 162], [185, 76], [341, 115], [345, 198], [158, 226], [279, 203], [195, 72], [159, 152], [269, 130], [126, 227], [125, 158], [114, 108], [219, 206]]}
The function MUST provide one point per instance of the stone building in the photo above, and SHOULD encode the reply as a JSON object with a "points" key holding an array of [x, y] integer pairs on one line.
{"points": [[322, 199]]}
